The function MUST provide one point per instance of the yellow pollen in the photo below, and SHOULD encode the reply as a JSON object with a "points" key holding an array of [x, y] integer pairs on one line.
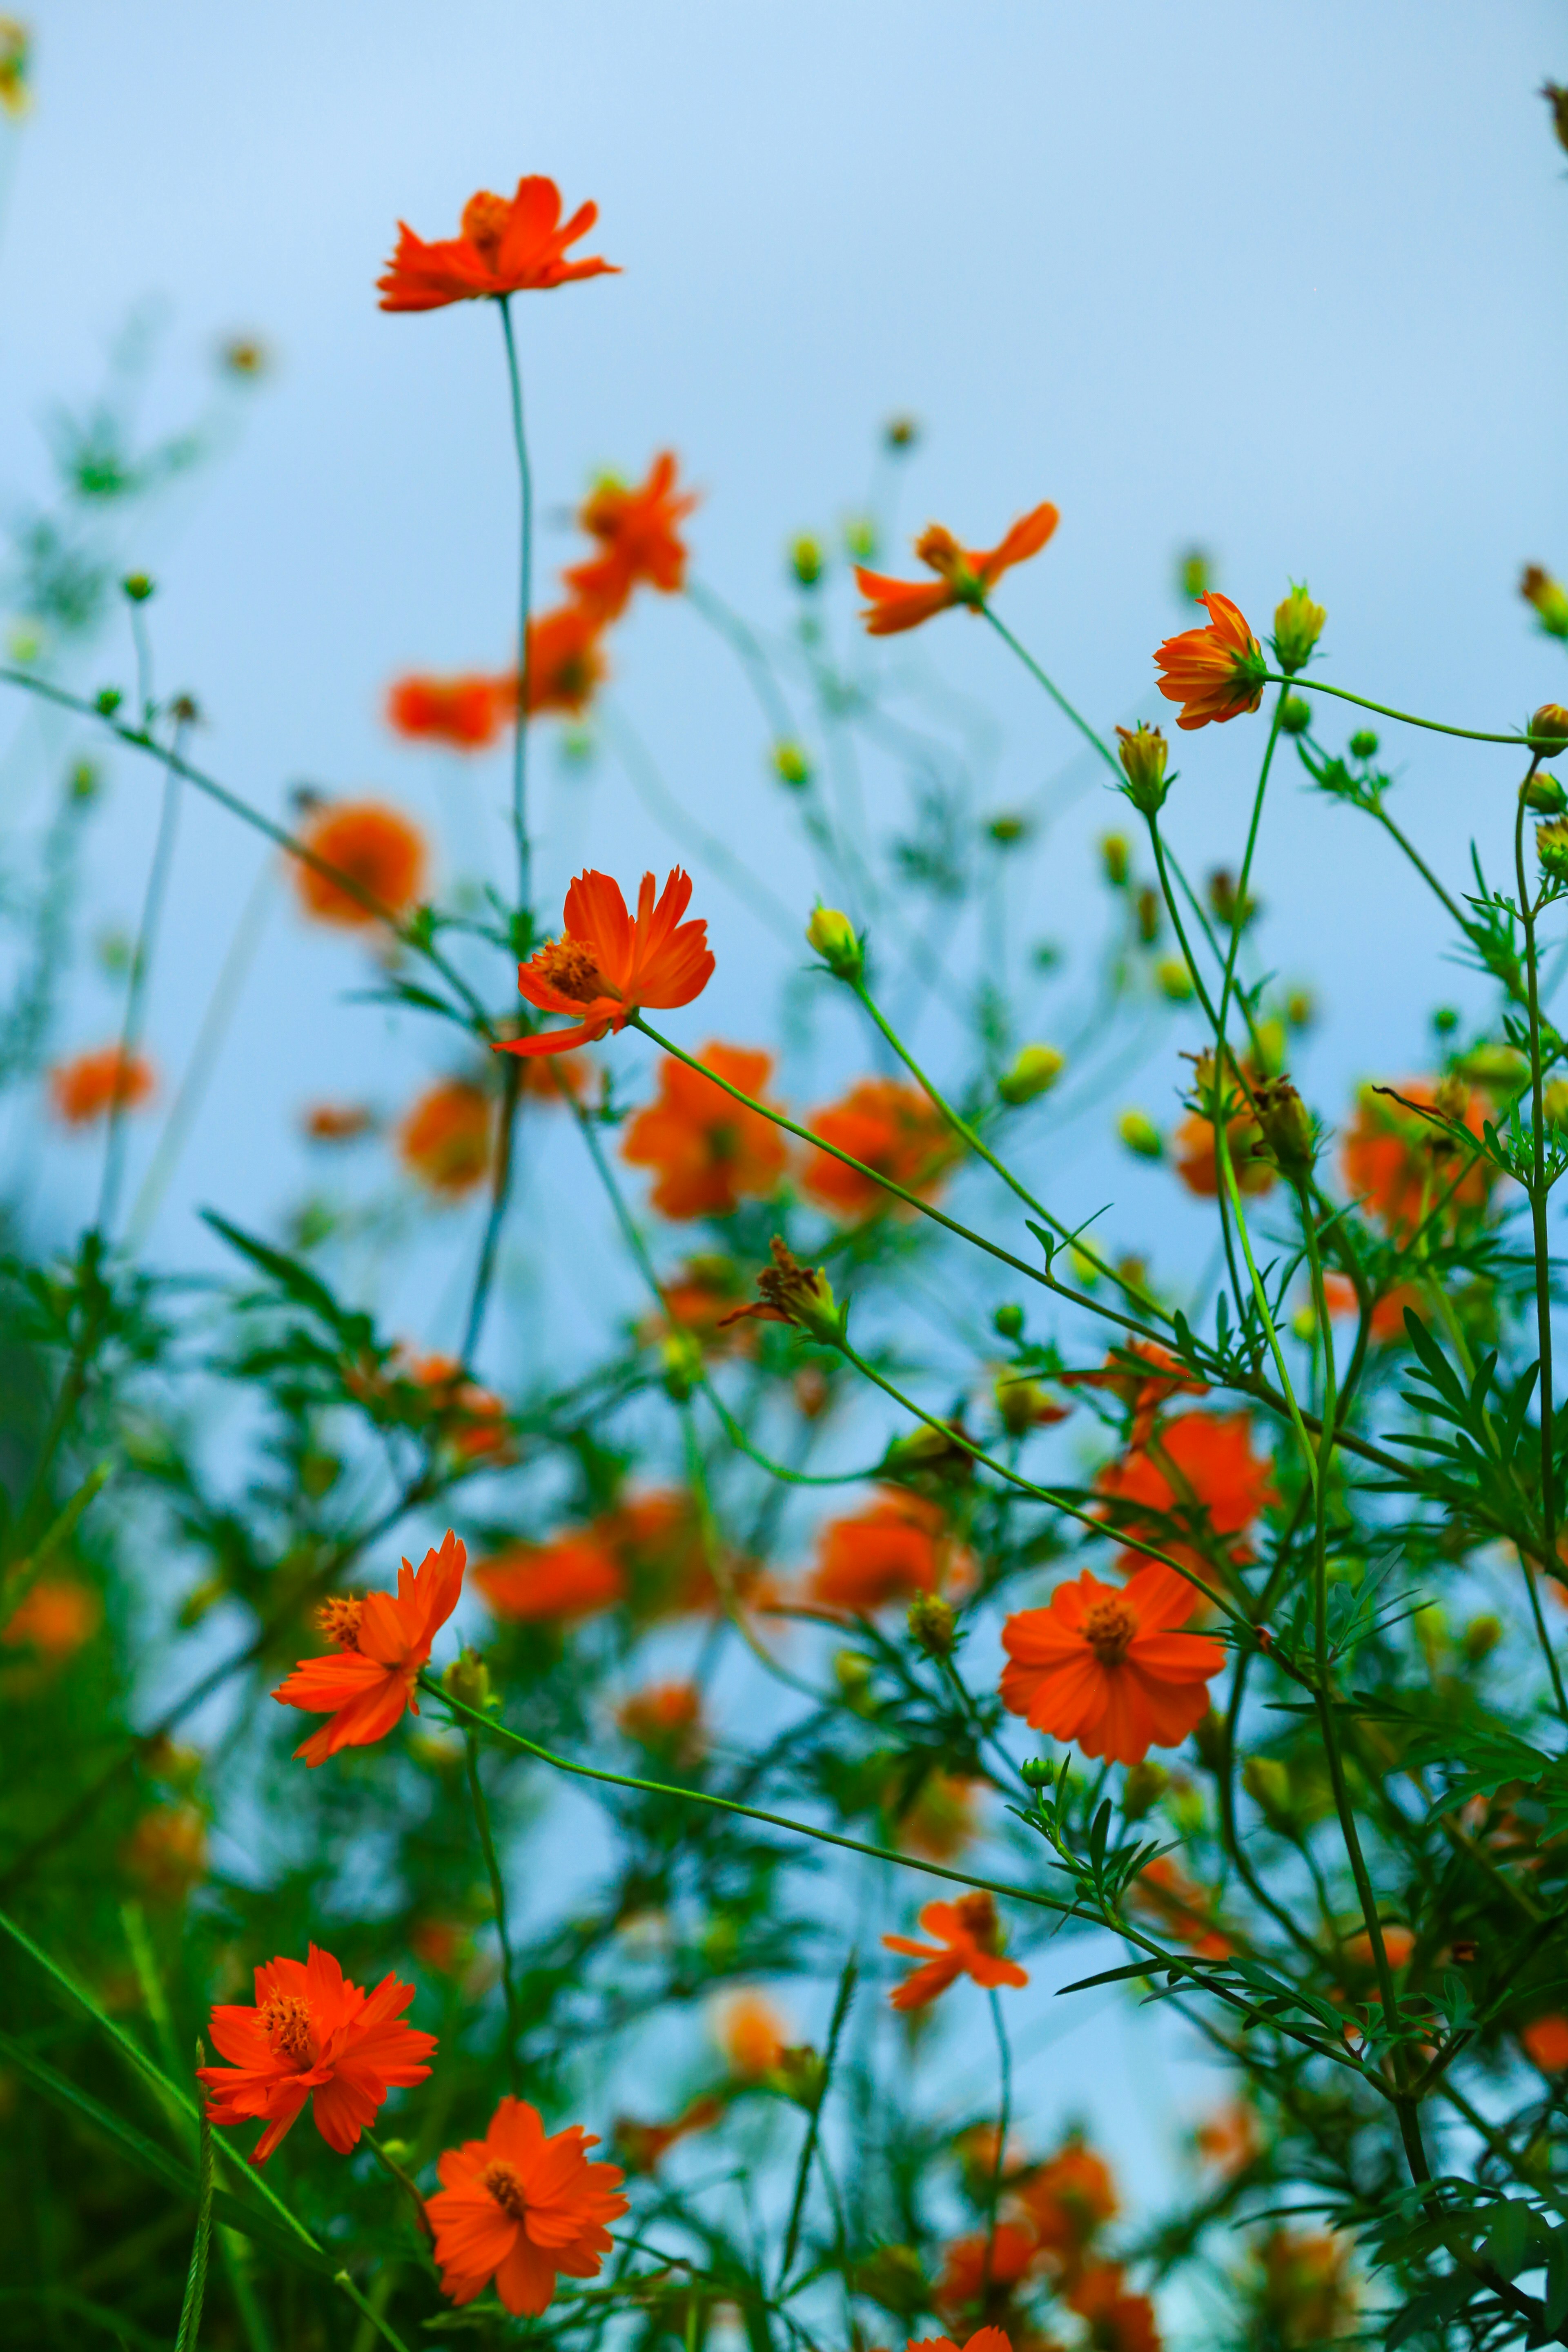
{"points": [[1109, 1627], [484, 222], [500, 2179], [339, 1620], [286, 2022], [568, 965]]}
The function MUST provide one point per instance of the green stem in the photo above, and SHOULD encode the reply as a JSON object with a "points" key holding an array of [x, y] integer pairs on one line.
{"points": [[524, 600], [1003, 2125], [1406, 717], [498, 1897], [136, 995], [500, 1188], [813, 2125], [1058, 696]]}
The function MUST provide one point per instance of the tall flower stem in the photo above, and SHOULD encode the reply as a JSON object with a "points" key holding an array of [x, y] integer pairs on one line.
{"points": [[136, 993], [814, 2125], [1003, 2125], [501, 1189], [525, 602], [1058, 696], [498, 1897]]}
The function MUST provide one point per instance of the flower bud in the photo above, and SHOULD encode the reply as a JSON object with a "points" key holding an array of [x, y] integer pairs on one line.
{"points": [[1007, 830], [467, 1680], [800, 2074], [792, 765], [1548, 597], [931, 1623], [1023, 1404], [107, 701], [1141, 1136], [900, 433], [1143, 751], [1142, 1789], [1194, 573], [1301, 1008], [1451, 1097], [1295, 714], [1232, 911], [1286, 1126], [852, 1673], [1544, 795], [1551, 848], [1268, 1782], [861, 538], [805, 561], [1480, 1638], [1549, 730], [1298, 626], [137, 587], [1037, 1771], [1555, 1101], [1008, 1320], [1035, 1071], [680, 1365], [837, 942], [1116, 857], [1173, 980], [1149, 913], [1363, 744]]}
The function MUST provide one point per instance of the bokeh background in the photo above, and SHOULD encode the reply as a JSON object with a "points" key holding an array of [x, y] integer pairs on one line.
{"points": [[1284, 282]]}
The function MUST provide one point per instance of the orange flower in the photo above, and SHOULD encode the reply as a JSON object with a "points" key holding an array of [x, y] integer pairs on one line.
{"points": [[461, 712], [516, 248], [383, 1646], [1144, 1377], [1117, 2322], [667, 1719], [565, 664], [970, 1947], [1197, 1161], [474, 1419], [54, 1617], [751, 2034], [1167, 1893], [660, 1542], [711, 1151], [698, 1298], [542, 1583], [644, 2144], [1215, 672], [375, 847], [1308, 2297], [91, 1086], [1229, 2139], [942, 1819], [894, 1548], [962, 577], [1387, 1316], [1198, 1470], [1106, 1667], [605, 966], [636, 530], [1068, 2199], [979, 2270], [523, 2208], [893, 1129], [328, 1122], [447, 1137], [1546, 2043], [1402, 1165], [313, 2035]]}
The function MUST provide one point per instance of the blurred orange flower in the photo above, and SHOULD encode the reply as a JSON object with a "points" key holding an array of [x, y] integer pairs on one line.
{"points": [[1105, 1665], [667, 1719], [942, 1819], [167, 1853], [474, 1419], [1215, 673], [1309, 2296], [522, 2208], [895, 1547], [710, 1150], [1164, 1891], [565, 664], [979, 2270], [1117, 2322], [1402, 1165], [328, 1122], [447, 1137], [91, 1086], [751, 2034], [1067, 2199], [507, 247], [1145, 1378], [540, 1583], [460, 712], [313, 2035], [605, 966], [963, 577], [969, 1946], [374, 847], [54, 1618], [1229, 2138], [1197, 1161], [1199, 1469], [644, 2144], [891, 1127], [384, 1646], [1387, 1316], [638, 532], [1545, 2042]]}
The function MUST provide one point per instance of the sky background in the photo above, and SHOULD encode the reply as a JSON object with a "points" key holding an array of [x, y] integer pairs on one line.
{"points": [[1285, 281]]}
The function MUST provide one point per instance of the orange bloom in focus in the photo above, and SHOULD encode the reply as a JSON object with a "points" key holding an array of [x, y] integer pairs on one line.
{"points": [[636, 530], [91, 1086], [711, 1151], [54, 1618], [1106, 1667], [506, 247], [445, 1138], [565, 664], [1215, 673], [374, 847], [1164, 1891], [891, 1129], [605, 966], [543, 1583], [753, 2036], [1402, 1165], [970, 1947], [313, 2035], [895, 1547], [330, 1122], [1145, 1378], [460, 712], [523, 2208], [1197, 1160], [667, 1719], [384, 1646], [1546, 2043], [962, 577], [1199, 1470], [1117, 2322]]}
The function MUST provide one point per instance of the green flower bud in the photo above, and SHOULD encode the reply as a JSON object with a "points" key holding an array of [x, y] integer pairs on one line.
{"points": [[1286, 1126], [1035, 1071], [1173, 980], [1548, 597], [137, 586], [1268, 1782], [837, 942], [900, 433], [1140, 1134], [1116, 856], [1363, 744], [1008, 1320], [1142, 1789], [1295, 714], [467, 1681], [1194, 573], [805, 561], [1143, 751], [1549, 730], [931, 1623], [1038, 1771], [1480, 1638], [1544, 795], [792, 765], [1298, 626], [1551, 848]]}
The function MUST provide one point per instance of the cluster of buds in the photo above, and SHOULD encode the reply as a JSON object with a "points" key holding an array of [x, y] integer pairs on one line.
{"points": [[792, 765]]}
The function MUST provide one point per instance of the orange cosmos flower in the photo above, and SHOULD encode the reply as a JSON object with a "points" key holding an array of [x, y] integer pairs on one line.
{"points": [[660, 1542], [1402, 1165], [1229, 2139], [984, 2340], [1144, 1377], [374, 847], [894, 1548], [894, 1129], [711, 1151], [605, 966], [445, 1138], [1197, 1160], [636, 530], [523, 2209], [1217, 672], [1546, 2043], [1068, 2199], [91, 1086], [751, 2034], [1198, 1470], [667, 1719], [54, 1618], [544, 1583], [383, 1646], [1387, 1315], [1106, 1667], [474, 1419], [979, 2271], [1184, 1908], [565, 664], [940, 1820], [506, 247], [644, 2144], [962, 577], [969, 1946], [1117, 2322], [461, 712], [313, 2035]]}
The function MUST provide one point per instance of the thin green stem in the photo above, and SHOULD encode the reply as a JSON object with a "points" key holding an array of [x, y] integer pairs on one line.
{"points": [[524, 601], [1058, 696], [136, 996], [1301, 683], [1003, 2125], [500, 1188], [814, 2124], [497, 1899]]}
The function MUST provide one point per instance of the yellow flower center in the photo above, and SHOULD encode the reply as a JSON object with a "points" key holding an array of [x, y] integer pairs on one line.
{"points": [[286, 2022], [568, 965], [500, 2179], [1107, 1628], [339, 1620], [484, 222]]}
